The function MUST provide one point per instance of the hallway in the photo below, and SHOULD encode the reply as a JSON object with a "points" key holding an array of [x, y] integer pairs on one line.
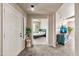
{"points": [[16, 18], [41, 50]]}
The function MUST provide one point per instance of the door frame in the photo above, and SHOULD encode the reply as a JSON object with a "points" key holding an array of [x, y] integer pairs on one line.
{"points": [[47, 38]]}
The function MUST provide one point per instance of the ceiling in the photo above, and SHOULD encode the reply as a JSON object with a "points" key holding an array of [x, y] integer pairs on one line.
{"points": [[40, 8]]}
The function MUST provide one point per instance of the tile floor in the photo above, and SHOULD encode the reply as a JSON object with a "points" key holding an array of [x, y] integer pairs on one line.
{"points": [[40, 41], [44, 50]]}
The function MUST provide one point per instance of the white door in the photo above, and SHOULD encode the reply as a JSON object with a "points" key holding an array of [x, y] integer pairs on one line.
{"points": [[20, 40], [12, 26], [10, 31]]}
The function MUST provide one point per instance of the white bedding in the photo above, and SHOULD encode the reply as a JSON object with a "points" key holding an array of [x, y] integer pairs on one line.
{"points": [[39, 33]]}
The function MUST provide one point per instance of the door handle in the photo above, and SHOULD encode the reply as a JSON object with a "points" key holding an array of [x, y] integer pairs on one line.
{"points": [[20, 34]]}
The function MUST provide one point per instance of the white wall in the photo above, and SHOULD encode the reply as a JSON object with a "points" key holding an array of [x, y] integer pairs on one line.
{"points": [[65, 11], [52, 30], [44, 23]]}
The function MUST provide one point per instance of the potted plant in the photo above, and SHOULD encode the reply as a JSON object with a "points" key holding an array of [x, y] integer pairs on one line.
{"points": [[28, 40], [70, 29], [28, 32]]}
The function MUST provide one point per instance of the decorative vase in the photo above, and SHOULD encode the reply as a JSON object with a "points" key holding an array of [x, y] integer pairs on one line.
{"points": [[28, 42]]}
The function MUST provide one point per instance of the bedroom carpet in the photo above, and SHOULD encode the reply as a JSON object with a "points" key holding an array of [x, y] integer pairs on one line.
{"points": [[44, 50]]}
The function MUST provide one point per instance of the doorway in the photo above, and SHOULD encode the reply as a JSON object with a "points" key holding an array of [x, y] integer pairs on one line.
{"points": [[71, 24], [40, 31], [69, 36]]}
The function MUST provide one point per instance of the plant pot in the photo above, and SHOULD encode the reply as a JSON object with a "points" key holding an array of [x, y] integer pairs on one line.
{"points": [[28, 42]]}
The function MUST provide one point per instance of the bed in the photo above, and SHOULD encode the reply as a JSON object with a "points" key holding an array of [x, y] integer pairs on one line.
{"points": [[41, 33]]}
